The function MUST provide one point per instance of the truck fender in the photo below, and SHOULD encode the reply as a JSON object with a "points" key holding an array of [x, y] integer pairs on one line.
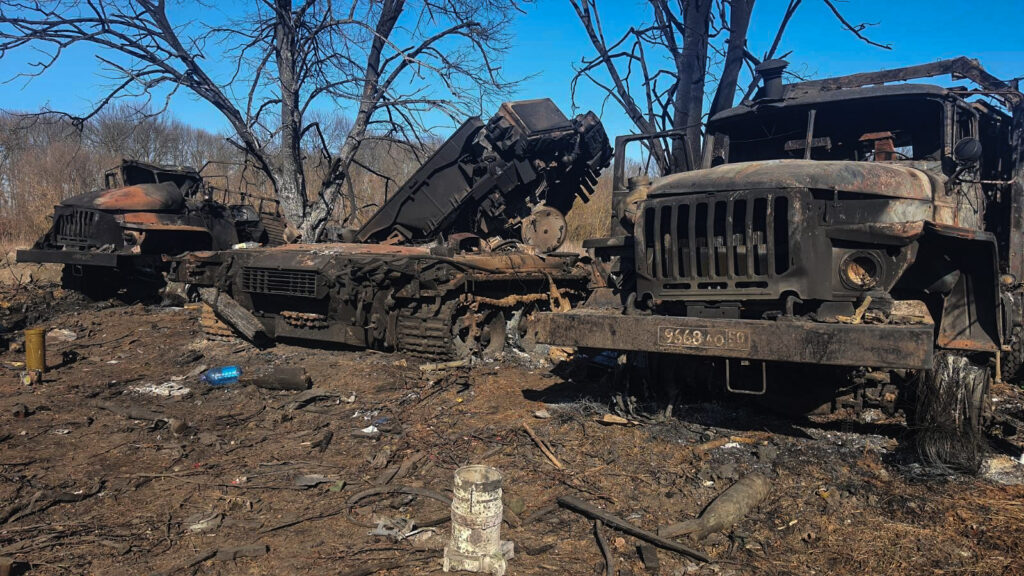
{"points": [[972, 313]]}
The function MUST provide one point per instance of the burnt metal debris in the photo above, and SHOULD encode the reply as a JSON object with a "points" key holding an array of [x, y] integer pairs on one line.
{"points": [[846, 222], [454, 264], [116, 237], [514, 177]]}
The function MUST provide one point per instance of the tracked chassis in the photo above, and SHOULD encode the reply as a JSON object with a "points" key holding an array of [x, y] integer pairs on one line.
{"points": [[431, 302]]}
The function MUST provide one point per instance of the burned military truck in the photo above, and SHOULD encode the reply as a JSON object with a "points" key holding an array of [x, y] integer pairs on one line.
{"points": [[845, 222], [114, 238], [458, 260]]}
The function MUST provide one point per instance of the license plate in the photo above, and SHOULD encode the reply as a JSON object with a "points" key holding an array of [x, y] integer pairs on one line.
{"points": [[721, 338]]}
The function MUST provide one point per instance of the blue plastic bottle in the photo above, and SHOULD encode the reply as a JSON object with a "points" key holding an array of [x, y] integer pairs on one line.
{"points": [[221, 376]]}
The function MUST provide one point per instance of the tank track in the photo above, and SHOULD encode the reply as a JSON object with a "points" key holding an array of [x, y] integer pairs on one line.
{"points": [[425, 337], [212, 326]]}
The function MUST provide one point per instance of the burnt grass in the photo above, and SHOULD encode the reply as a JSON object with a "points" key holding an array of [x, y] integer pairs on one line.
{"points": [[87, 489]]}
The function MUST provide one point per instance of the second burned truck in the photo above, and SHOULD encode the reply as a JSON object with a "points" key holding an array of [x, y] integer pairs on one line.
{"points": [[846, 222], [449, 266]]}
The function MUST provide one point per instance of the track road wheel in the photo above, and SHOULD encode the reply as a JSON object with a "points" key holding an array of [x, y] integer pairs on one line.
{"points": [[1013, 361], [950, 412], [478, 332]]}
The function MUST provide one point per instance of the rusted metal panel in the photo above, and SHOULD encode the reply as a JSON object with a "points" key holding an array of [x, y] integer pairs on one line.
{"points": [[149, 197], [803, 342]]}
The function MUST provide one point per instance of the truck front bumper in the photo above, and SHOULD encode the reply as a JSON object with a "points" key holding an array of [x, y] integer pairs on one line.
{"points": [[82, 257], [876, 346]]}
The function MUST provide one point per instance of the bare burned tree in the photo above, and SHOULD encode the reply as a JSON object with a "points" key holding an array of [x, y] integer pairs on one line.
{"points": [[659, 71], [394, 64]]}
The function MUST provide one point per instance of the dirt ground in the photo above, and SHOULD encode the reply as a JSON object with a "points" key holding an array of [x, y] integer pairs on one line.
{"points": [[99, 476]]}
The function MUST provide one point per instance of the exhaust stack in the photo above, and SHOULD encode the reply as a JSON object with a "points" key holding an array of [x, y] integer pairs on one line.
{"points": [[771, 72]]}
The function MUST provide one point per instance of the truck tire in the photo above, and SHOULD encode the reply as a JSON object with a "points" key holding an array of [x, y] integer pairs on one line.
{"points": [[949, 412], [1013, 361]]}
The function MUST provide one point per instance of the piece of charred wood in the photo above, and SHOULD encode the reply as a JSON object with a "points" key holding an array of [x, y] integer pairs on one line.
{"points": [[323, 441], [595, 513], [609, 561], [130, 411]]}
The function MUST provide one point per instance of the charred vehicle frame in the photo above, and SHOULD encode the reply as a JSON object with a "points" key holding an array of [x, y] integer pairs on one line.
{"points": [[452, 265], [115, 237], [845, 222]]}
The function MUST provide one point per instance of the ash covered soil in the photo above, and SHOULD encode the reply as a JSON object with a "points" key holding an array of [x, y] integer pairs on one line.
{"points": [[87, 487]]}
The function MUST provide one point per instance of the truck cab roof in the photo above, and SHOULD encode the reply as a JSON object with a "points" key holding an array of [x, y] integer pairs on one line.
{"points": [[799, 95]]}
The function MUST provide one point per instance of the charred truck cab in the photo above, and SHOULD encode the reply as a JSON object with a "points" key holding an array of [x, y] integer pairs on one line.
{"points": [[843, 222], [115, 237]]}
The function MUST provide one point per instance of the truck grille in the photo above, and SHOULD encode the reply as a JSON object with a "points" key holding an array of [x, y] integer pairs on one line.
{"points": [[284, 282], [728, 243], [75, 228]]}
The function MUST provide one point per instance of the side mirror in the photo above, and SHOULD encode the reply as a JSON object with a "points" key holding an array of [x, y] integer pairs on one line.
{"points": [[967, 150]]}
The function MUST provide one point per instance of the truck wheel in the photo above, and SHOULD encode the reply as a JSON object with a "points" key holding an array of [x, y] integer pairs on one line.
{"points": [[949, 412], [1013, 361]]}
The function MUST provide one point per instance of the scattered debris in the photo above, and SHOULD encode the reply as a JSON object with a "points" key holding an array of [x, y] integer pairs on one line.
{"points": [[131, 412], [167, 390], [727, 509], [400, 489], [44, 499], [323, 441], [311, 480], [542, 445], [282, 378], [609, 561], [302, 399], [225, 554], [1004, 470], [595, 513], [177, 426], [369, 431], [612, 419], [221, 376], [58, 335], [31, 377], [649, 557], [200, 523], [542, 414], [435, 366]]}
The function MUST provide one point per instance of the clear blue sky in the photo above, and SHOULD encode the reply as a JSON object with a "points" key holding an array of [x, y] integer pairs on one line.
{"points": [[549, 40]]}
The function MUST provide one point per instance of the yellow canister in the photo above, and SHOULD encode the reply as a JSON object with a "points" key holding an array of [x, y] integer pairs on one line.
{"points": [[35, 349]]}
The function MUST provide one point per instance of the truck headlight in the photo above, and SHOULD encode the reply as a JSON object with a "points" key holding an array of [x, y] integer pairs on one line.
{"points": [[860, 270]]}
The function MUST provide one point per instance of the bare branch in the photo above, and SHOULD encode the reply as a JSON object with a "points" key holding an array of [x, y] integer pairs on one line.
{"points": [[857, 29]]}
